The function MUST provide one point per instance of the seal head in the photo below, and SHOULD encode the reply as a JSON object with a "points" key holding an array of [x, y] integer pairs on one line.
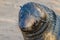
{"points": [[31, 17]]}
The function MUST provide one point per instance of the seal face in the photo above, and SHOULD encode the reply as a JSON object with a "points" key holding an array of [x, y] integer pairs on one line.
{"points": [[31, 17], [34, 19]]}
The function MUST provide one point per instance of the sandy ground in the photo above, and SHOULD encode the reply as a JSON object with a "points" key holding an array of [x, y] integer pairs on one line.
{"points": [[9, 10]]}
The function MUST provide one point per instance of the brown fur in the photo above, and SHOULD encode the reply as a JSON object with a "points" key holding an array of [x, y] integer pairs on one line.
{"points": [[49, 36]]}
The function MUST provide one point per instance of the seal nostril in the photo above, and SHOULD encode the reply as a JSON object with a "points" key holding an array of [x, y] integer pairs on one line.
{"points": [[22, 27]]}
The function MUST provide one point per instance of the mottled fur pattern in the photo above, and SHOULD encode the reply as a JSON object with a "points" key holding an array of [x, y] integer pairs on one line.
{"points": [[49, 36], [46, 32]]}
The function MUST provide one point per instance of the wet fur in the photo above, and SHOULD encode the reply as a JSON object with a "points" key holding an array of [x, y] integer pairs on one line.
{"points": [[48, 33]]}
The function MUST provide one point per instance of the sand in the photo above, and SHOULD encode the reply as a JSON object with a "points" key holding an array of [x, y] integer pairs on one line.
{"points": [[9, 11]]}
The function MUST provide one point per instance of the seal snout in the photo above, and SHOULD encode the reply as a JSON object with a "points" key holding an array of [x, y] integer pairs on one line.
{"points": [[28, 24]]}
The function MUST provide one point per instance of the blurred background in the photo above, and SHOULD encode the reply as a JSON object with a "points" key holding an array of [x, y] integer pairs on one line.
{"points": [[9, 11]]}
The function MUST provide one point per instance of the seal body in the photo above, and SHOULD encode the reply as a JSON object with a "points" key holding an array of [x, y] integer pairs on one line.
{"points": [[38, 22]]}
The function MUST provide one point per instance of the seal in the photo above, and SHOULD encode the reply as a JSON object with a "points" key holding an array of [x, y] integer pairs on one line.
{"points": [[37, 22]]}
